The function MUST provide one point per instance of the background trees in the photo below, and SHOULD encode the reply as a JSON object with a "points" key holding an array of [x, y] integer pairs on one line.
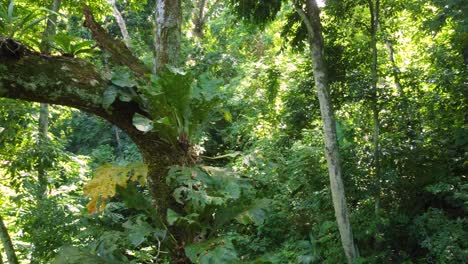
{"points": [[239, 126]]}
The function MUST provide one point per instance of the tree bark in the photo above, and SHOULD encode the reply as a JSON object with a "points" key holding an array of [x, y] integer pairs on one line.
{"points": [[117, 49], [120, 22], [7, 244], [49, 31], [43, 128], [167, 37], [312, 19]]}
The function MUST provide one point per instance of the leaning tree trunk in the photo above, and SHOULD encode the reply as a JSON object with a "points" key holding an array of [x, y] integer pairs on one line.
{"points": [[7, 244], [311, 18], [120, 22]]}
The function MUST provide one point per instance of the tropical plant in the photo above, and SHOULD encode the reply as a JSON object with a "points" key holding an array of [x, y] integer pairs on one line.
{"points": [[14, 22], [71, 46]]}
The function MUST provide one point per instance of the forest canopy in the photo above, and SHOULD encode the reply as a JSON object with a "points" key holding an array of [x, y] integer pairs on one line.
{"points": [[233, 131]]}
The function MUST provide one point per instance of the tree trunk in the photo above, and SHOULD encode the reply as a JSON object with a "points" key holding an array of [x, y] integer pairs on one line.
{"points": [[120, 22], [199, 19], [374, 7], [395, 69], [374, 12], [7, 245], [167, 37], [43, 128], [45, 47], [312, 19], [203, 9], [158, 166]]}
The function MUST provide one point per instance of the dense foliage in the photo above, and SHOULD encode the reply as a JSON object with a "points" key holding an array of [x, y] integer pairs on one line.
{"points": [[244, 103]]}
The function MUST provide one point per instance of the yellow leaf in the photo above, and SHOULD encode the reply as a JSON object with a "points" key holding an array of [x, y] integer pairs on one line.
{"points": [[106, 178]]}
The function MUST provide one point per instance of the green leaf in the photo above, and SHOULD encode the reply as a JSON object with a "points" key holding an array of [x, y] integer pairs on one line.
{"points": [[257, 211], [82, 44], [219, 250], [123, 79], [109, 97], [10, 10], [32, 24], [142, 123], [208, 87], [232, 190], [172, 216], [165, 121], [139, 232], [133, 198]]}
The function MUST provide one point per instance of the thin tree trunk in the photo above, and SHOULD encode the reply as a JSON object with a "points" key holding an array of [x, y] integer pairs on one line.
{"points": [[120, 22], [167, 37], [7, 244], [126, 39], [374, 11], [395, 69], [391, 57], [45, 47], [49, 31], [312, 19], [43, 128], [117, 138]]}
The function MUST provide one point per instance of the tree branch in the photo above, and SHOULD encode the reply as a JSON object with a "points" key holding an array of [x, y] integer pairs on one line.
{"points": [[304, 17], [118, 50], [30, 76]]}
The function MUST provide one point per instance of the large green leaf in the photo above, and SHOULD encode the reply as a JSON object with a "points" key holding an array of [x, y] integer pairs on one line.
{"points": [[109, 96], [123, 79], [219, 250], [172, 216], [138, 231], [142, 123], [254, 213]]}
